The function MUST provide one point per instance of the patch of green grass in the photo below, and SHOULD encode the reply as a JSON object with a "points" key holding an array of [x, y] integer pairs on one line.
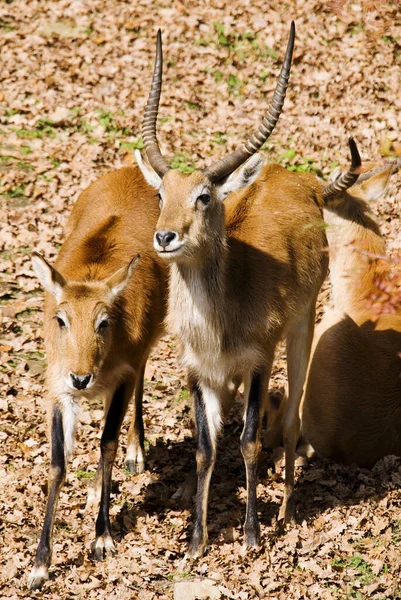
{"points": [[184, 395], [136, 145], [85, 474], [177, 575], [220, 138], [25, 150], [389, 39], [18, 191], [298, 164], [201, 42], [266, 52], [290, 154], [183, 163], [362, 567], [10, 112], [363, 573], [194, 105], [355, 29], [20, 164], [222, 38], [234, 84], [217, 75], [45, 177], [28, 133], [34, 355], [5, 26], [108, 121]]}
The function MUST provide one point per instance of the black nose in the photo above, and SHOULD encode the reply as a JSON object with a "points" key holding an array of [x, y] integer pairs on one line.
{"points": [[80, 382], [163, 238]]}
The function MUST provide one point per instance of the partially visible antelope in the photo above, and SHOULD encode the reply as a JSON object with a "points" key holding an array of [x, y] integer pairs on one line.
{"points": [[352, 406], [104, 310], [243, 274], [351, 410]]}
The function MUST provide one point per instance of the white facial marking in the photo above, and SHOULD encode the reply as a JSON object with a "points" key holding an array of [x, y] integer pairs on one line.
{"points": [[103, 316], [198, 191], [61, 314], [173, 248]]}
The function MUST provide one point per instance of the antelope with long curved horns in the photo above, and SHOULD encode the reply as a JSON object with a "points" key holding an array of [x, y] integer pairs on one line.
{"points": [[243, 274]]}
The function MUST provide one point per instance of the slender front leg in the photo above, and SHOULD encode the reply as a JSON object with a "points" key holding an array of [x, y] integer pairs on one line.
{"points": [[40, 571], [135, 459], [250, 448], [208, 423], [108, 445]]}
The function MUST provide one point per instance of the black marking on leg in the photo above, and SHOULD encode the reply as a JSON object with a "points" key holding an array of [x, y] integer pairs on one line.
{"points": [[250, 447], [57, 475], [108, 447], [205, 462]]}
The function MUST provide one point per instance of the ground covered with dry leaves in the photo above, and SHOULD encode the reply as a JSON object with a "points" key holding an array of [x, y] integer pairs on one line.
{"points": [[75, 76]]}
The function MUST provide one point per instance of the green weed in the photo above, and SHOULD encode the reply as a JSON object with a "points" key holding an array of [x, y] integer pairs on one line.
{"points": [[183, 163], [85, 474]]}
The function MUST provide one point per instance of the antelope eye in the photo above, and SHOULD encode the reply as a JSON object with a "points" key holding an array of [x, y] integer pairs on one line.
{"points": [[103, 324], [204, 198], [160, 201], [61, 322]]}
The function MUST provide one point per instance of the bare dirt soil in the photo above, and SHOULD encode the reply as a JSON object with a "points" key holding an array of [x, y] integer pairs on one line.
{"points": [[75, 77]]}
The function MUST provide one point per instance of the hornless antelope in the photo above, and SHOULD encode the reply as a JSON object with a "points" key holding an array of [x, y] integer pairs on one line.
{"points": [[243, 275], [352, 406], [102, 316]]}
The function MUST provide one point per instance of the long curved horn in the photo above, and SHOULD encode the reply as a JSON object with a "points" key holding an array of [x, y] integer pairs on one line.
{"points": [[228, 164], [151, 144], [349, 178]]}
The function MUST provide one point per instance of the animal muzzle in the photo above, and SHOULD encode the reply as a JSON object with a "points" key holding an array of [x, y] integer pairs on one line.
{"points": [[166, 241], [80, 382]]}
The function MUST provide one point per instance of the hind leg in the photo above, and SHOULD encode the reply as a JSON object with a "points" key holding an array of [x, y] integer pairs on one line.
{"points": [[135, 459], [299, 341], [104, 543]]}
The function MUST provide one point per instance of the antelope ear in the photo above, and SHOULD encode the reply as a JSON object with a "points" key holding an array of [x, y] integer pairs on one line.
{"points": [[121, 278], [242, 177], [51, 279], [148, 172], [376, 186]]}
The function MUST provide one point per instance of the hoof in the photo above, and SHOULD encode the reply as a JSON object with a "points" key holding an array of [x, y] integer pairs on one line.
{"points": [[103, 547], [252, 537], [184, 494], [286, 515], [38, 577], [196, 548], [135, 467]]}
